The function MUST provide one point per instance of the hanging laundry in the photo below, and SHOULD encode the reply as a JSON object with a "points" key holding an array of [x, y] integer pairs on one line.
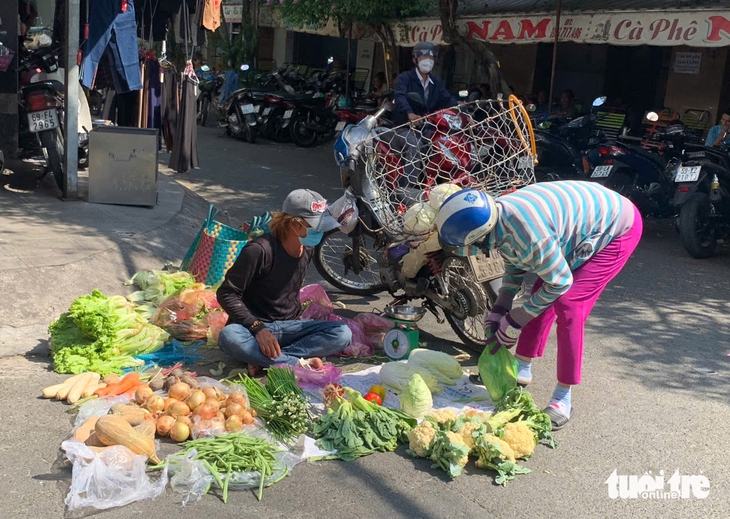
{"points": [[170, 104], [112, 23], [185, 151], [212, 14]]}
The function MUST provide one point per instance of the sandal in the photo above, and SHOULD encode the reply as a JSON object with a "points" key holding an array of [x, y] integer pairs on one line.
{"points": [[558, 419]]}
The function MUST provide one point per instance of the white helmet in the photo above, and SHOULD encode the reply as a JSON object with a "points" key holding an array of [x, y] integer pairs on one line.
{"points": [[465, 218]]}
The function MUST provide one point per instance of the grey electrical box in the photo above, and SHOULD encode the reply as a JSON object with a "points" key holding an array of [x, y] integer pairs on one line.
{"points": [[123, 166]]}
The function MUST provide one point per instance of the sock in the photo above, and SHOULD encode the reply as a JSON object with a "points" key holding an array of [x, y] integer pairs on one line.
{"points": [[524, 370], [561, 400]]}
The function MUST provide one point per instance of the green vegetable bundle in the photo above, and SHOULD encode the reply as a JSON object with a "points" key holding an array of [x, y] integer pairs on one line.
{"points": [[156, 286], [355, 427], [236, 452], [280, 404], [101, 334]]}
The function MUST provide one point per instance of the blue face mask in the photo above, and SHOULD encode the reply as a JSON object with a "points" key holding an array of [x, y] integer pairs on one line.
{"points": [[312, 238]]}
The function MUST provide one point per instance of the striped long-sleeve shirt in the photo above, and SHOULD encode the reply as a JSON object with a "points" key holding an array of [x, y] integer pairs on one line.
{"points": [[551, 229]]}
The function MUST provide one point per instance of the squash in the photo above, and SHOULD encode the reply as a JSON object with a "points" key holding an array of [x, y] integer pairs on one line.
{"points": [[84, 431], [89, 391], [93, 440], [148, 428], [77, 389], [115, 430], [131, 413]]}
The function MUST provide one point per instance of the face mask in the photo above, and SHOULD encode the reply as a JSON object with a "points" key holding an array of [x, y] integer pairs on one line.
{"points": [[312, 238], [425, 66]]}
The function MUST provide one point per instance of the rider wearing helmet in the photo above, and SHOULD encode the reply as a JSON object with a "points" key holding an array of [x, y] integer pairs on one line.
{"points": [[433, 97], [576, 236]]}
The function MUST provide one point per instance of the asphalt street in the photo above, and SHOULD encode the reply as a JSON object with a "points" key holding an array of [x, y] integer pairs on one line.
{"points": [[654, 395]]}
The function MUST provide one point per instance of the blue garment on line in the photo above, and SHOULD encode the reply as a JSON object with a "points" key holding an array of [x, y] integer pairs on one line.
{"points": [[109, 26], [230, 84]]}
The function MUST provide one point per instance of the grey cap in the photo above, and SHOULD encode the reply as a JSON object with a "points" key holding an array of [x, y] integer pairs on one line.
{"points": [[312, 207]]}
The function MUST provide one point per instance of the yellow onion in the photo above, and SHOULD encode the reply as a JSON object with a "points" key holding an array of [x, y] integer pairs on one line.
{"points": [[196, 398], [164, 423], [142, 394], [234, 423], [205, 412], [179, 391], [179, 409], [155, 404], [234, 410], [179, 432]]}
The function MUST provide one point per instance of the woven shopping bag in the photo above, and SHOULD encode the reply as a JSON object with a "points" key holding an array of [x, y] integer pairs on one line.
{"points": [[217, 247]]}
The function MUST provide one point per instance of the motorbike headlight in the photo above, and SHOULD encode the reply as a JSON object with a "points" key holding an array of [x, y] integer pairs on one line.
{"points": [[454, 121]]}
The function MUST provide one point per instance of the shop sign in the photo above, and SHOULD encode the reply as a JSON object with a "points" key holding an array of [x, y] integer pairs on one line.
{"points": [[663, 28], [687, 62], [233, 13]]}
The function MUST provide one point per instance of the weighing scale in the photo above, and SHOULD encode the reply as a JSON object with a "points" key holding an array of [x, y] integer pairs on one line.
{"points": [[403, 338]]}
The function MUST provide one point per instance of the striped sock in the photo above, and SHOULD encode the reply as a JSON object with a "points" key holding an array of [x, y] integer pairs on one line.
{"points": [[561, 400]]}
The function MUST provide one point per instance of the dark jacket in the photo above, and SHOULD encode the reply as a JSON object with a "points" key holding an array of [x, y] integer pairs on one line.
{"points": [[438, 96]]}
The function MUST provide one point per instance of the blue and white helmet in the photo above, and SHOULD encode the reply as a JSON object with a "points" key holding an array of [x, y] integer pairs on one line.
{"points": [[465, 218]]}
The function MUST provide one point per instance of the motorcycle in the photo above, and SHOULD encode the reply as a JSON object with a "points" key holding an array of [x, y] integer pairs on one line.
{"points": [[645, 178], [703, 195], [367, 260], [210, 86], [42, 103]]}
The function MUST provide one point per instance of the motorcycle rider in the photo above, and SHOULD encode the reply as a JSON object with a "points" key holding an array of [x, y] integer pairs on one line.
{"points": [[720, 134], [434, 97], [576, 236]]}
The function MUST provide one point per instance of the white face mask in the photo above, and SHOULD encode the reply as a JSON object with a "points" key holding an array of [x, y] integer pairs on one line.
{"points": [[425, 66]]}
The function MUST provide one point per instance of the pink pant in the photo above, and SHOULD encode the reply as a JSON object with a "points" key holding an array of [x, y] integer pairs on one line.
{"points": [[572, 309]]}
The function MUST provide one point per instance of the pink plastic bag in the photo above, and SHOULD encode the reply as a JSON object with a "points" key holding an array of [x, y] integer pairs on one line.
{"points": [[319, 306], [375, 327], [307, 377], [360, 345], [200, 298], [216, 321]]}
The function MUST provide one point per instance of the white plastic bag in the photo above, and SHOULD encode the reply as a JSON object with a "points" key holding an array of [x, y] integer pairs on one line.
{"points": [[344, 210], [97, 407], [191, 477], [108, 477]]}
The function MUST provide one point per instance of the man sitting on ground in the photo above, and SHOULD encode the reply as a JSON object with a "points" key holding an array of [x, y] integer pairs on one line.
{"points": [[261, 291]]}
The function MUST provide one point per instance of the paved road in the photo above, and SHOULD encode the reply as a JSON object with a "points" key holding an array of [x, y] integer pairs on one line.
{"points": [[655, 392]]}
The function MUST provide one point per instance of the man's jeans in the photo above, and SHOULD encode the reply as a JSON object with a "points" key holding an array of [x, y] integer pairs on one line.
{"points": [[298, 339]]}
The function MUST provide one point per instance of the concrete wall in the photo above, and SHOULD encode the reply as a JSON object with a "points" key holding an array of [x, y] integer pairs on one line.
{"points": [[699, 91]]}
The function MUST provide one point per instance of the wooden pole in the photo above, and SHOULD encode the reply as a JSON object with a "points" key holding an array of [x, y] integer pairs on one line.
{"points": [[555, 55]]}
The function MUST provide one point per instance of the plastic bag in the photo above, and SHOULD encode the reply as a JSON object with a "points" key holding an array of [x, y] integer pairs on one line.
{"points": [[200, 298], [113, 476], [307, 377], [319, 307], [498, 372], [345, 211], [172, 354], [360, 345], [216, 321], [179, 320], [97, 407], [374, 327], [190, 476]]}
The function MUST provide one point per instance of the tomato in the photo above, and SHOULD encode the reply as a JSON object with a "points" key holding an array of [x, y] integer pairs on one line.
{"points": [[374, 398], [378, 390]]}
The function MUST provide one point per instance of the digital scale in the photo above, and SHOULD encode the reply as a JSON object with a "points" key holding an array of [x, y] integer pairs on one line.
{"points": [[403, 338]]}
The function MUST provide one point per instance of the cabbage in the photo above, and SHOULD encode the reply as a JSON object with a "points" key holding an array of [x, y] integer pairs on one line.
{"points": [[442, 366], [440, 193], [416, 399], [419, 218], [396, 375]]}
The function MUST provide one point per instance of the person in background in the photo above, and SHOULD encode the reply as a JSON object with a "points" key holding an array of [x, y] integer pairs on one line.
{"points": [[260, 292], [567, 104], [719, 135], [380, 87], [575, 236], [486, 91], [541, 102]]}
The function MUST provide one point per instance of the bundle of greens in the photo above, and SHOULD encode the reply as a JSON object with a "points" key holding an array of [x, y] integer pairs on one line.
{"points": [[101, 334], [236, 452], [156, 286], [495, 440], [355, 427], [280, 404]]}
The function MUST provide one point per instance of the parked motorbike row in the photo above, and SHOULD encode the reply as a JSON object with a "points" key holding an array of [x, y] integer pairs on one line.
{"points": [[287, 107], [674, 176]]}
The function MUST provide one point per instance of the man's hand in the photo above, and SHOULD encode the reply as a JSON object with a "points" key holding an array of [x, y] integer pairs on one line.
{"points": [[506, 335], [413, 118], [720, 138], [268, 344]]}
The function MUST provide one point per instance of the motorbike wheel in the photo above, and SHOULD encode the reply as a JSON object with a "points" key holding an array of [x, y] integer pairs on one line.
{"points": [[695, 229], [249, 133], [52, 143], [205, 109], [301, 135], [333, 256], [475, 301]]}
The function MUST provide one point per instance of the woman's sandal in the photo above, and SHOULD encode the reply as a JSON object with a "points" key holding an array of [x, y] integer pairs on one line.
{"points": [[558, 419]]}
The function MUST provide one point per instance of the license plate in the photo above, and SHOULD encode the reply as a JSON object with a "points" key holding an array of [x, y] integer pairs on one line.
{"points": [[688, 174], [248, 109], [601, 171], [41, 121], [288, 114], [267, 111], [486, 267], [340, 126]]}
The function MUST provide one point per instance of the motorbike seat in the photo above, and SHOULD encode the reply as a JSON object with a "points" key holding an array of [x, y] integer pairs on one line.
{"points": [[659, 161], [44, 85]]}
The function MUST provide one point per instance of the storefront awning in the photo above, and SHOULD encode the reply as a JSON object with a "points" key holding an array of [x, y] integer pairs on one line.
{"points": [[691, 27]]}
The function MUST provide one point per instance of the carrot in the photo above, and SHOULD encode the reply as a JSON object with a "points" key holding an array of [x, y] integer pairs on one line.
{"points": [[121, 387]]}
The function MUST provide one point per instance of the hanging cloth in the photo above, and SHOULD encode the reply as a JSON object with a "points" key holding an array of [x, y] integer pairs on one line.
{"points": [[212, 14], [185, 150], [170, 106]]}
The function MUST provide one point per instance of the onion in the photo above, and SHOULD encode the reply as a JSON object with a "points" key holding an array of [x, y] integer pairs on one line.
{"points": [[180, 391], [247, 418], [164, 423], [215, 404], [186, 420], [168, 402], [155, 404], [220, 417], [219, 395], [205, 412], [237, 398], [234, 410], [179, 432], [196, 398], [316, 363], [143, 394], [234, 423], [179, 409], [209, 392]]}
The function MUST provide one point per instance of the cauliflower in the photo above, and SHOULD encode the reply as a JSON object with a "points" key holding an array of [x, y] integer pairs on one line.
{"points": [[475, 413], [520, 438], [443, 416], [449, 453], [457, 440], [466, 431], [420, 439], [509, 454]]}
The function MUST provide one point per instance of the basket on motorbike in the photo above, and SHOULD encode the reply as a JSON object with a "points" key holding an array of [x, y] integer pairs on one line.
{"points": [[411, 169]]}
